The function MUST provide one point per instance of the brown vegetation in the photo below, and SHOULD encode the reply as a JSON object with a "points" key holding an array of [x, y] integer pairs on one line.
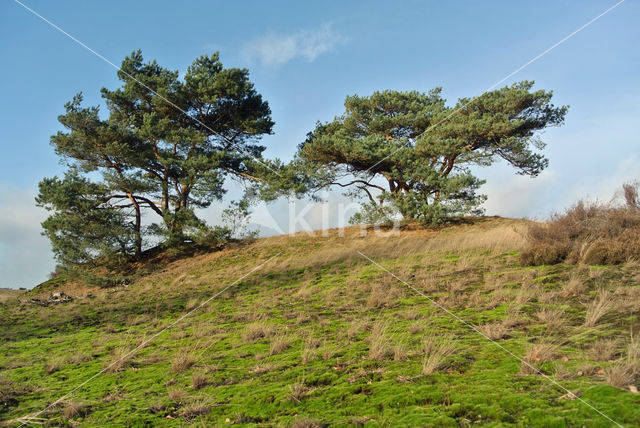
{"points": [[590, 233]]}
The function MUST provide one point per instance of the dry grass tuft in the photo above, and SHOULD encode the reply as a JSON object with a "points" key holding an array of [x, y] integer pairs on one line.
{"points": [[604, 350], [191, 304], [183, 360], [552, 317], [256, 331], [621, 375], [199, 381], [598, 308], [435, 353], [381, 296], [263, 368], [297, 391], [177, 395], [415, 328], [495, 330], [379, 347], [399, 353], [74, 409], [194, 409], [573, 287], [538, 353], [121, 359], [278, 344], [305, 422], [54, 365]]}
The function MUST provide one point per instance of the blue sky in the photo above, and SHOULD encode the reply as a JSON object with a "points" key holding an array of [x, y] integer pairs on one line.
{"points": [[305, 58]]}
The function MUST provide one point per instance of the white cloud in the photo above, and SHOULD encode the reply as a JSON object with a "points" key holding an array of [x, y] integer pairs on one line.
{"points": [[275, 50], [25, 255]]}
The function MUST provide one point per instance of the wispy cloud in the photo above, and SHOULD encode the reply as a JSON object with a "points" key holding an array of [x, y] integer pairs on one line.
{"points": [[275, 50]]}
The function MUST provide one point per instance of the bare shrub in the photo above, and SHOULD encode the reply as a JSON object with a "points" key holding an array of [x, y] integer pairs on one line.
{"points": [[591, 233]]}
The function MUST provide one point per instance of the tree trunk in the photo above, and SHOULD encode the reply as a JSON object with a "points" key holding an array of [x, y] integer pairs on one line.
{"points": [[137, 226]]}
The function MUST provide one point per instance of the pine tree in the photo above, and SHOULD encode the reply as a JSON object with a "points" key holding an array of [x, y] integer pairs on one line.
{"points": [[409, 152]]}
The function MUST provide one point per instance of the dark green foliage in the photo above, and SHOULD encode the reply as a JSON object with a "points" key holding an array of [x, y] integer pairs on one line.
{"points": [[85, 224], [166, 148], [412, 152]]}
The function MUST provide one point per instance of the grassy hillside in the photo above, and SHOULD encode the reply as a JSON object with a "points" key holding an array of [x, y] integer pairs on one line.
{"points": [[319, 335]]}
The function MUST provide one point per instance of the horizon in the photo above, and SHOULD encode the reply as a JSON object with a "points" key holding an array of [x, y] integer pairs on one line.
{"points": [[304, 62]]}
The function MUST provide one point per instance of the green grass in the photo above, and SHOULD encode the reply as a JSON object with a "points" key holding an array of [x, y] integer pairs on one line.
{"points": [[330, 312]]}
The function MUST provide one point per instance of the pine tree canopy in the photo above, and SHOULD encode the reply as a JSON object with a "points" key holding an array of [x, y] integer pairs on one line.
{"points": [[165, 147], [411, 154]]}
